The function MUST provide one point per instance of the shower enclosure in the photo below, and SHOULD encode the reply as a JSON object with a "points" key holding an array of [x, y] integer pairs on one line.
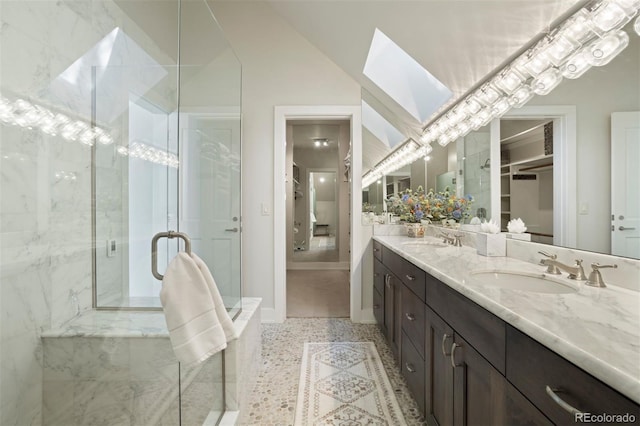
{"points": [[119, 119], [474, 176]]}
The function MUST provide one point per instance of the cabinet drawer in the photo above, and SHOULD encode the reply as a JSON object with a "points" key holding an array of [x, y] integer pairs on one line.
{"points": [[412, 276], [377, 250], [483, 330], [531, 367], [413, 325], [412, 367], [379, 272]]}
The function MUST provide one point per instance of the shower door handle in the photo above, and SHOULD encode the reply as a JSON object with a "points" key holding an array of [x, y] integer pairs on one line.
{"points": [[231, 230]]}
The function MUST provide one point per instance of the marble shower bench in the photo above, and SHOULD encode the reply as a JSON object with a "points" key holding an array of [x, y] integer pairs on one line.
{"points": [[118, 367]]}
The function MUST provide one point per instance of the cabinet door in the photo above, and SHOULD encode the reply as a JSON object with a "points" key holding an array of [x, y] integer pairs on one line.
{"points": [[379, 272], [392, 311], [479, 389], [438, 370], [378, 309]]}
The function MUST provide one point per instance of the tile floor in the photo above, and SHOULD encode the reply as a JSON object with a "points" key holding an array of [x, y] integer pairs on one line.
{"points": [[318, 293], [273, 398]]}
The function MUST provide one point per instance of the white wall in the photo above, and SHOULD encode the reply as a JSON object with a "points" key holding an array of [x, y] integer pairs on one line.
{"points": [[279, 67]]}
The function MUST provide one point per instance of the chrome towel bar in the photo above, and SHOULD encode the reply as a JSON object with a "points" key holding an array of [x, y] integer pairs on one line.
{"points": [[154, 249]]}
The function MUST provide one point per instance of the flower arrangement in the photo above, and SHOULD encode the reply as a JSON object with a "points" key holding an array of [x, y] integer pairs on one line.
{"points": [[446, 205], [411, 206], [416, 206]]}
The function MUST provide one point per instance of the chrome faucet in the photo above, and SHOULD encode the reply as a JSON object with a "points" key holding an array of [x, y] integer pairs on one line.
{"points": [[595, 277], [454, 240], [576, 272], [551, 269], [447, 238]]}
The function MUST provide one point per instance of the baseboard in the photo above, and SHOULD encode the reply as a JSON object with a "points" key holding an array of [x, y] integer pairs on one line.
{"points": [[366, 316], [268, 315], [343, 266]]}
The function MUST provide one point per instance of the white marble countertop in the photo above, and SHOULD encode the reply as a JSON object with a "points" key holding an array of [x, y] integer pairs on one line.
{"points": [[597, 329], [121, 323]]}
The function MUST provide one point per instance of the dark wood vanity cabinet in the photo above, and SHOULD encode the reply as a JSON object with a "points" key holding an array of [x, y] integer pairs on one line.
{"points": [[387, 290], [532, 367], [466, 366], [462, 387]]}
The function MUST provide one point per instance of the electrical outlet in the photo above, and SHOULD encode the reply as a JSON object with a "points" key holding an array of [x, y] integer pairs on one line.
{"points": [[584, 208], [111, 248]]}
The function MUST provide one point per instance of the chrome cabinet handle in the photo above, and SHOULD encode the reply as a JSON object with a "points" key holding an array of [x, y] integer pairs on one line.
{"points": [[375, 249], [376, 306], [453, 355], [410, 277], [444, 340], [561, 402], [622, 228], [375, 274], [232, 230], [410, 368], [410, 317]]}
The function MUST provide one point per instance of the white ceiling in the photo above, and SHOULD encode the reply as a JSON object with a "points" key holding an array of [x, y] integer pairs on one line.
{"points": [[458, 41]]}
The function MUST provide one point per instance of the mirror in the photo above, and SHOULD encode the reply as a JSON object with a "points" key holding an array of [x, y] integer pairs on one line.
{"points": [[599, 93]]}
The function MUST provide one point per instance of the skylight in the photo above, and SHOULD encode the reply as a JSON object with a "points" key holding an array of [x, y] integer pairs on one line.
{"points": [[380, 127], [404, 79]]}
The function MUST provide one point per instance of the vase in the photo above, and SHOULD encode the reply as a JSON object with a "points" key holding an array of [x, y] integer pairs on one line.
{"points": [[414, 230]]}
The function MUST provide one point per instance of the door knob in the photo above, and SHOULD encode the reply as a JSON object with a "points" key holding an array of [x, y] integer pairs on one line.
{"points": [[232, 230], [622, 228]]}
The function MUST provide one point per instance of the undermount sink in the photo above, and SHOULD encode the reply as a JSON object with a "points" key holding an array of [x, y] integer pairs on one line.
{"points": [[524, 281]]}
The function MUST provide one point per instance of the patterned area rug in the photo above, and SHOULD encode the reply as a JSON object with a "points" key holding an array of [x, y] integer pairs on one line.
{"points": [[344, 383]]}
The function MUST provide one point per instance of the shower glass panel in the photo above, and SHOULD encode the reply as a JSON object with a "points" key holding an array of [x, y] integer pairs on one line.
{"points": [[175, 164], [473, 160], [209, 147]]}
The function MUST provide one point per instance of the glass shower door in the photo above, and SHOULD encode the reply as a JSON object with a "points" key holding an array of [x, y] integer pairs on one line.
{"points": [[210, 197]]}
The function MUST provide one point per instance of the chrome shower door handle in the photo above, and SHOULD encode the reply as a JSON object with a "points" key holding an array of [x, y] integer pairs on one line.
{"points": [[622, 228], [231, 230]]}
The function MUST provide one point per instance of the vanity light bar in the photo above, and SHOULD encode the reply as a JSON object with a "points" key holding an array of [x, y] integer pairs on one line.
{"points": [[31, 116], [592, 36], [407, 153]]}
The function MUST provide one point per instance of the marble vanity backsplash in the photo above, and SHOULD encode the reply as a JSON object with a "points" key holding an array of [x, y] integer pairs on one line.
{"points": [[626, 275]]}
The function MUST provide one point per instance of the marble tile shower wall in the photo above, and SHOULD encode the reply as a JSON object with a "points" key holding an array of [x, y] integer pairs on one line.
{"points": [[125, 381], [45, 191]]}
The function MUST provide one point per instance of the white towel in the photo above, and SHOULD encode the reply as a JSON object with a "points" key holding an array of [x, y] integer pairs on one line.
{"points": [[199, 325]]}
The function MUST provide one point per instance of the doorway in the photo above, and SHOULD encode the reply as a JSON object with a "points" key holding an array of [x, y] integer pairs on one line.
{"points": [[347, 175], [317, 218]]}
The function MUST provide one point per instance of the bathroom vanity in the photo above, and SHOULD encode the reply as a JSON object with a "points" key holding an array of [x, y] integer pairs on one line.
{"points": [[477, 352]]}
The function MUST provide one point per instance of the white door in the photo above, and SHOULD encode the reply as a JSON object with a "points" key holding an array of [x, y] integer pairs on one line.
{"points": [[210, 196], [625, 184]]}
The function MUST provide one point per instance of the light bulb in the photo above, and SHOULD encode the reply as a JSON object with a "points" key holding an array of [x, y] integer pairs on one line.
{"points": [[521, 96], [576, 65], [500, 107], [443, 140], [609, 15], [546, 81], [602, 51], [487, 94], [508, 80], [471, 106], [560, 49], [578, 27]]}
